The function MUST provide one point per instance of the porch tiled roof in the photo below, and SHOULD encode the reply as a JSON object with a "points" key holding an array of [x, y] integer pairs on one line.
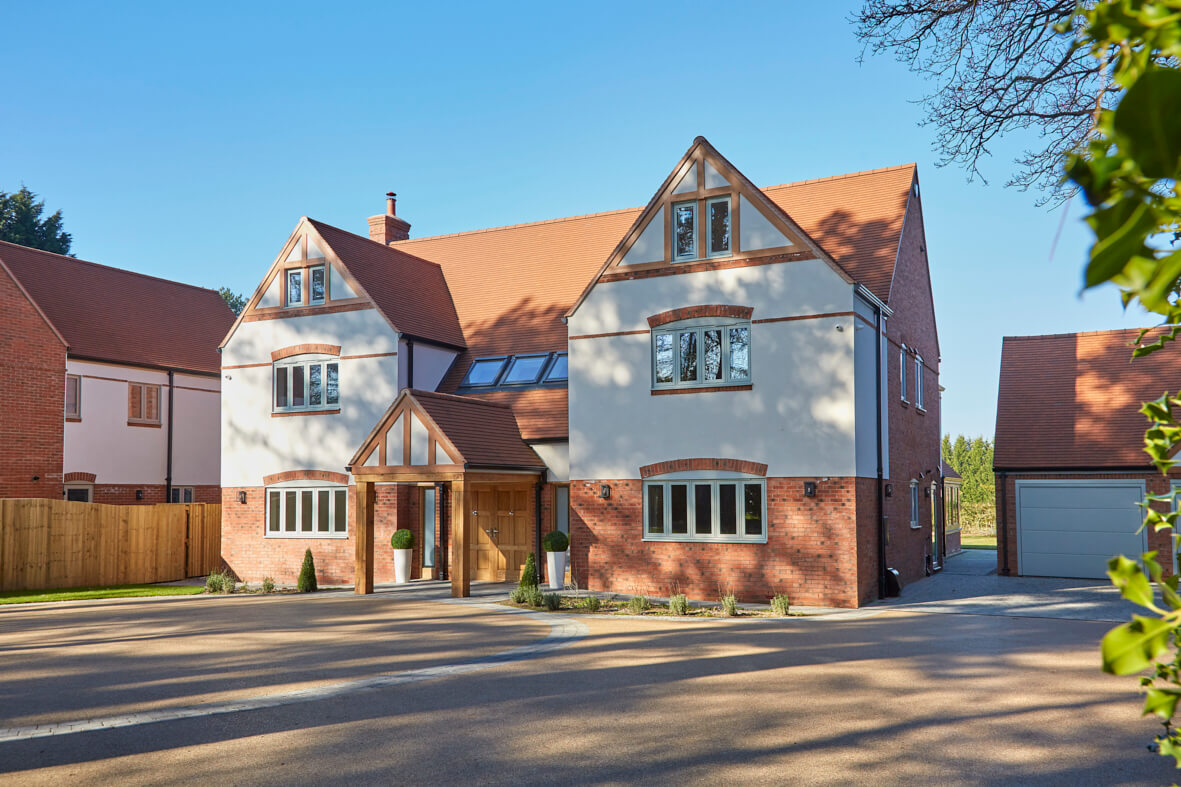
{"points": [[485, 432]]}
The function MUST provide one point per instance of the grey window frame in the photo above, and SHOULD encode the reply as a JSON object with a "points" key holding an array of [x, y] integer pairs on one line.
{"points": [[902, 368], [315, 489], [311, 273], [143, 403], [179, 492], [918, 382], [715, 536], [709, 227], [549, 370], [700, 326], [694, 254], [306, 361], [77, 381], [914, 504], [508, 369], [499, 372]]}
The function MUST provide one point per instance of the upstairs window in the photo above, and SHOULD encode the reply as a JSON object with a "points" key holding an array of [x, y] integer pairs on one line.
{"points": [[294, 287], [143, 404], [918, 381], [518, 371], [303, 384], [691, 355], [484, 371], [316, 286], [717, 212], [685, 231], [73, 396], [559, 370], [525, 369], [902, 372]]}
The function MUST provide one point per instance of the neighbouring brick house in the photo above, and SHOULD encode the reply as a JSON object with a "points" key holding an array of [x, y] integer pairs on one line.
{"points": [[702, 392], [1069, 457], [119, 373]]}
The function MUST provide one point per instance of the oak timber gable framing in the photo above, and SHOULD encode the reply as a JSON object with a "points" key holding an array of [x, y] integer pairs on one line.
{"points": [[408, 439]]}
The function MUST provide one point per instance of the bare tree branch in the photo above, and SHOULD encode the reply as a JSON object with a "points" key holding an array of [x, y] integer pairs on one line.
{"points": [[997, 67]]}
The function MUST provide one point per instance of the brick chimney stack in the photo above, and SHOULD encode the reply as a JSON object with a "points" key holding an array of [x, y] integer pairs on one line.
{"points": [[388, 228]]}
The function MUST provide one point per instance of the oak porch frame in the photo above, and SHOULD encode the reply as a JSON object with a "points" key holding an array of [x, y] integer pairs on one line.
{"points": [[460, 481]]}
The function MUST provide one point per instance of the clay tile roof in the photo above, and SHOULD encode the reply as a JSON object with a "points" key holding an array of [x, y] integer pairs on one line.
{"points": [[486, 433], [1072, 400], [411, 292], [512, 285], [950, 472], [110, 314]]}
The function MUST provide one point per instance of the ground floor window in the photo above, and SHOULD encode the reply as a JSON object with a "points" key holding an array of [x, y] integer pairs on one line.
{"points": [[428, 527], [78, 494], [181, 494], [726, 509], [307, 512]]}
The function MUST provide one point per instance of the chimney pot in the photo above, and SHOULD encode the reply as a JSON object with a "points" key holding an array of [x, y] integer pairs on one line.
{"points": [[390, 203], [387, 228]]}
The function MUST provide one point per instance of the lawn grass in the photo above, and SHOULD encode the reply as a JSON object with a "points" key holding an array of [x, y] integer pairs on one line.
{"points": [[978, 542], [110, 591]]}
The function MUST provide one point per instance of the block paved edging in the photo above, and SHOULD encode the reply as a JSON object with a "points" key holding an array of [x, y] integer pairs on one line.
{"points": [[563, 631]]}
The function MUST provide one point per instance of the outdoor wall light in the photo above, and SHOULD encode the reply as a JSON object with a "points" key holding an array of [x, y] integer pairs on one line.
{"points": [[809, 489], [926, 491], [139, 494], [36, 478], [242, 498], [889, 490], [605, 491]]}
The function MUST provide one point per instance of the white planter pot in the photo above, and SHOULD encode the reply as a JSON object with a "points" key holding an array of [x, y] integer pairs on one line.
{"points": [[402, 565], [555, 566]]}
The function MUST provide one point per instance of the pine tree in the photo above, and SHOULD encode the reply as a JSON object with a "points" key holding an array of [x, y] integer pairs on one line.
{"points": [[21, 222]]}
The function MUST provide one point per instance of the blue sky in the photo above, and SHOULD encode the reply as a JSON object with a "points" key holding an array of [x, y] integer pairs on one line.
{"points": [[185, 140]]}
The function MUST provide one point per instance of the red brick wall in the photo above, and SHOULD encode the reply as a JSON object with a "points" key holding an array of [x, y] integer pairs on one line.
{"points": [[1155, 483], [32, 424], [252, 556], [811, 551], [914, 433], [124, 494]]}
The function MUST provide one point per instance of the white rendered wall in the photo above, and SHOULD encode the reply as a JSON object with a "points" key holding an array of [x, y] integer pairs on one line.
{"points": [[255, 444], [867, 399], [799, 418], [102, 443], [430, 365], [557, 459]]}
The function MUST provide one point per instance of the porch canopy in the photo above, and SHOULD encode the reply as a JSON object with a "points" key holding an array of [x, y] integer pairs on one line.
{"points": [[455, 441]]}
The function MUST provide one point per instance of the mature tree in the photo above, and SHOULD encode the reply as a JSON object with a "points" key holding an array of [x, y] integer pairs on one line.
{"points": [[996, 67], [235, 301], [21, 222]]}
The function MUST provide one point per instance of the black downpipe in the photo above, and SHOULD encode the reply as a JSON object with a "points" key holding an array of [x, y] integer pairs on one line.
{"points": [[882, 519], [409, 363], [168, 471]]}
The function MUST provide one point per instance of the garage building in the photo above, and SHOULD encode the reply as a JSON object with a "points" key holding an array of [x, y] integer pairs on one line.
{"points": [[1069, 459]]}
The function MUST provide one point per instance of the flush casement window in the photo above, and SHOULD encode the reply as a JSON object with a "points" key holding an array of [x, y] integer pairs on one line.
{"points": [[143, 404], [918, 381], [694, 354], [307, 512], [181, 494], [73, 396], [685, 229], [706, 509], [306, 384], [902, 372], [914, 503]]}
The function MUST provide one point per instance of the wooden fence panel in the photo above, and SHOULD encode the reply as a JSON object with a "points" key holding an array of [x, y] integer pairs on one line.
{"points": [[57, 543]]}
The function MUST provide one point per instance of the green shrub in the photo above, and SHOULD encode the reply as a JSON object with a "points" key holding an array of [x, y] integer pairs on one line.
{"points": [[552, 601], [555, 541], [591, 603], [729, 605], [519, 595], [307, 574], [268, 585], [678, 604], [534, 597], [230, 585], [245, 588], [639, 604], [402, 539], [529, 572], [780, 605], [215, 582]]}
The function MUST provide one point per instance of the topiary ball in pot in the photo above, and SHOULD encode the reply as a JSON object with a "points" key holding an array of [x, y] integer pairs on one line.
{"points": [[307, 574], [555, 541], [402, 539]]}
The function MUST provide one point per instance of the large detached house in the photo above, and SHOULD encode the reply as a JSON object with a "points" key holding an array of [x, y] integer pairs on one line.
{"points": [[731, 389], [1070, 465], [119, 382]]}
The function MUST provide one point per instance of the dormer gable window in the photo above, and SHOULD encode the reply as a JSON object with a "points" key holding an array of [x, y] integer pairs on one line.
{"points": [[308, 279]]}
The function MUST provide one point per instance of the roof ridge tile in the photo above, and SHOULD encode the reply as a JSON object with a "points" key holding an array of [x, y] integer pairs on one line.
{"points": [[68, 258]]}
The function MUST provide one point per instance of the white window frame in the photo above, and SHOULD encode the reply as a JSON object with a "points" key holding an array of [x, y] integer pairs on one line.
{"points": [[693, 252], [700, 326], [715, 536], [902, 371], [181, 492], [298, 488], [914, 504], [311, 296], [709, 228], [918, 381], [305, 361], [76, 379], [143, 403]]}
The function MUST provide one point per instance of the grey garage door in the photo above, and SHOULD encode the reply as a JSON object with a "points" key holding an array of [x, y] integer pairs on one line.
{"points": [[1072, 529]]}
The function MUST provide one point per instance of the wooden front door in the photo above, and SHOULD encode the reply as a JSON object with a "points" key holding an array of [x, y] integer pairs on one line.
{"points": [[502, 518]]}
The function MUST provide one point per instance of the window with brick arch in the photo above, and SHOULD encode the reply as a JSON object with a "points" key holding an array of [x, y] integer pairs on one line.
{"points": [[695, 507], [701, 353]]}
